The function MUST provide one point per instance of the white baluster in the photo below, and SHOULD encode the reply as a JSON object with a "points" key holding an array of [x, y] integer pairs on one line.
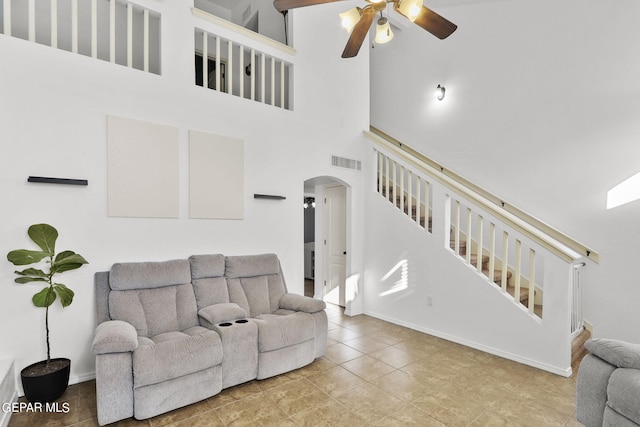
{"points": [[273, 81], [6, 13], [492, 250], [456, 234], [112, 31], [480, 239], [253, 74], [146, 40], [402, 197], [205, 60], [218, 63], [518, 269], [532, 280], [469, 241], [54, 22], [427, 206], [241, 71], [393, 191], [380, 163], [94, 28], [505, 256], [409, 192], [386, 175], [262, 77], [282, 101], [418, 193], [32, 20], [229, 71], [129, 35]]}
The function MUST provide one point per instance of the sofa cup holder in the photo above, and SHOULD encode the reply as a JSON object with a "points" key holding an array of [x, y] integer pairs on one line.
{"points": [[242, 321], [225, 324]]}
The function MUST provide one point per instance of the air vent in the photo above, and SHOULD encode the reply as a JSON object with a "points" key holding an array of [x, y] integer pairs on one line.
{"points": [[343, 162]]}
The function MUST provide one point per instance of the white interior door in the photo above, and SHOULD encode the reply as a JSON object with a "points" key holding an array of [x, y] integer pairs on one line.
{"points": [[335, 244]]}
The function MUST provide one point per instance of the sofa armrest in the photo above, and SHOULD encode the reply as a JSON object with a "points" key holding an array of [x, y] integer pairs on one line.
{"points": [[115, 336], [618, 353], [218, 313], [297, 302]]}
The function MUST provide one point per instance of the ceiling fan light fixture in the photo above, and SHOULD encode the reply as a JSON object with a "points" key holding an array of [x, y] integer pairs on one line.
{"points": [[350, 18], [410, 8], [383, 31]]}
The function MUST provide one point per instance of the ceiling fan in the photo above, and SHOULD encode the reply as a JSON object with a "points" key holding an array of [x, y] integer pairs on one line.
{"points": [[358, 20]]}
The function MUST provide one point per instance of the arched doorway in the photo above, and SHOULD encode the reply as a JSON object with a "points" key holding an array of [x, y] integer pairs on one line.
{"points": [[327, 255]]}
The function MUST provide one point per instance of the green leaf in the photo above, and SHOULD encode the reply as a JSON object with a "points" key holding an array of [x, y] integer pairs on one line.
{"points": [[44, 236], [25, 256], [27, 279], [44, 298], [32, 272], [65, 294], [67, 260]]}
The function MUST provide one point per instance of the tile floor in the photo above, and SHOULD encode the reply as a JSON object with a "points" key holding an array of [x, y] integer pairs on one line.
{"points": [[374, 374]]}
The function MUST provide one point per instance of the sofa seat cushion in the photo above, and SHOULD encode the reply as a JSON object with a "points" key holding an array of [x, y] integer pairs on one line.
{"points": [[623, 393], [279, 331], [175, 354]]}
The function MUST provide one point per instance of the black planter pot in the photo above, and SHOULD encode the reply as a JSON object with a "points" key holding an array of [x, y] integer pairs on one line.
{"points": [[49, 386]]}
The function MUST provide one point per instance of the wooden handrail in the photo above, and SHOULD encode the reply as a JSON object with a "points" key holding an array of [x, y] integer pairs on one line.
{"points": [[545, 235]]}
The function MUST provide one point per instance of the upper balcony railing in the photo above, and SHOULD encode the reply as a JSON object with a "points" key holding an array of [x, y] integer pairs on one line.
{"points": [[119, 32], [242, 69], [238, 62]]}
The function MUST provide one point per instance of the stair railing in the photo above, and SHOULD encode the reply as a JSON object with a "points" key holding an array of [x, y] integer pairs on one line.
{"points": [[242, 63], [117, 31], [508, 252]]}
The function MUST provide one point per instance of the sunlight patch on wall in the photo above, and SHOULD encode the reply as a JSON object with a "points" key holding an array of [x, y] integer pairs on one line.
{"points": [[402, 283], [625, 192]]}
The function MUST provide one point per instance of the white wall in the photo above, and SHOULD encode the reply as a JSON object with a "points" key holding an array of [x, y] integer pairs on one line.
{"points": [[541, 109], [54, 106]]}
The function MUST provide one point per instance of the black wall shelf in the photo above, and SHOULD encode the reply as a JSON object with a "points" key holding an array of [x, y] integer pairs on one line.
{"points": [[268, 196], [65, 181]]}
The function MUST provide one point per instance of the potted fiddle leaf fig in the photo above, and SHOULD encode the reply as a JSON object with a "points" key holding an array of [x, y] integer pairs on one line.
{"points": [[48, 379]]}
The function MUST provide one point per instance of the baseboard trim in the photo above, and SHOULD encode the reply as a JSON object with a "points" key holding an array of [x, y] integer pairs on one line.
{"points": [[75, 379], [496, 352]]}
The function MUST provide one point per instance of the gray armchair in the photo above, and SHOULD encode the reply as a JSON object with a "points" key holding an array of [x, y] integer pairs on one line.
{"points": [[608, 384], [148, 325]]}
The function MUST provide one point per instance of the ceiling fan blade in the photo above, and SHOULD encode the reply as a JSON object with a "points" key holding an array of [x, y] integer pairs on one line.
{"points": [[282, 5], [359, 33], [432, 22]]}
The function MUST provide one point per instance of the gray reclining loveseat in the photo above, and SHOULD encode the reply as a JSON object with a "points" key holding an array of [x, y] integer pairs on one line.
{"points": [[176, 332], [608, 384]]}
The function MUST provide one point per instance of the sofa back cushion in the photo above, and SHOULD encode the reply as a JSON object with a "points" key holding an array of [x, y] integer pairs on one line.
{"points": [[155, 297], [209, 283], [255, 282]]}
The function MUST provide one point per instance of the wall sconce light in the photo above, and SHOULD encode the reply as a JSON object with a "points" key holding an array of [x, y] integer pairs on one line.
{"points": [[440, 90]]}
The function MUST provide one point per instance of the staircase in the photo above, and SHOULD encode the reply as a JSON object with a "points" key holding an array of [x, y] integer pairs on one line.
{"points": [[514, 256], [404, 202], [577, 348]]}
